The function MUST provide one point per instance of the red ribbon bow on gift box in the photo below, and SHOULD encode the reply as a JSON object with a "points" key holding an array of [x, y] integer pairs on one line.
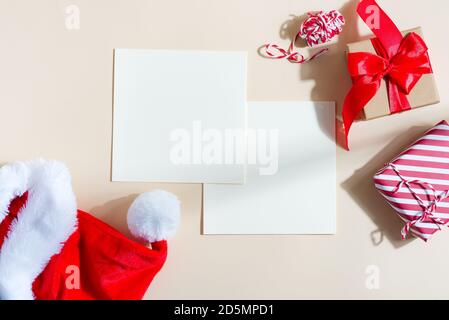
{"points": [[401, 61]]}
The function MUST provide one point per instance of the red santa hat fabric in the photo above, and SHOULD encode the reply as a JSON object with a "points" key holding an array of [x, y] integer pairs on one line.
{"points": [[51, 250]]}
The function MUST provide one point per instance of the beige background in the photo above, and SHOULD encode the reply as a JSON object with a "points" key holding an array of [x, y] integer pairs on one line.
{"points": [[56, 102]]}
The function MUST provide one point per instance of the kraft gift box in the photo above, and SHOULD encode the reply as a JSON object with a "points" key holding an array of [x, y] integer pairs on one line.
{"points": [[425, 92]]}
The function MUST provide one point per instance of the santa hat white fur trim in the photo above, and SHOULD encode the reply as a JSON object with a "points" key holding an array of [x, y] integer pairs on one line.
{"points": [[50, 217], [43, 225], [154, 216]]}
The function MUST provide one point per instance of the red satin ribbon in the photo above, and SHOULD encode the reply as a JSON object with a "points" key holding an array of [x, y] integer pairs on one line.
{"points": [[401, 61]]}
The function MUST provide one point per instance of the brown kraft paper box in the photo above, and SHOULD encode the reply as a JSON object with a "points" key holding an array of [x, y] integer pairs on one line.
{"points": [[425, 92]]}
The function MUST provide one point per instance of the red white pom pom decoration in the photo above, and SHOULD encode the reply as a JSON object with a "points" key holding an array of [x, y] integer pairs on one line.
{"points": [[318, 28], [321, 27]]}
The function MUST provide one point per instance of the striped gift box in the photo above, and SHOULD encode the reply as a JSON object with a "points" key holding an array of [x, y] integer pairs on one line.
{"points": [[416, 184]]}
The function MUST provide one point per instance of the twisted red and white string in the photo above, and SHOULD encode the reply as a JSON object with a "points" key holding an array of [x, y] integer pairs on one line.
{"points": [[429, 210], [321, 27], [318, 28], [275, 52]]}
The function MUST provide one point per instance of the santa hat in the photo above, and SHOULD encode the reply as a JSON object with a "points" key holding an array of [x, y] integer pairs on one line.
{"points": [[51, 250]]}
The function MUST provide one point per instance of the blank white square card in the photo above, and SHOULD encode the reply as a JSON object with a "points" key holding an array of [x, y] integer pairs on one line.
{"points": [[168, 106], [291, 180]]}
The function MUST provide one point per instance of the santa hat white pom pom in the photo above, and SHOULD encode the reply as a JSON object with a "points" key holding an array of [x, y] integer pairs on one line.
{"points": [[154, 216]]}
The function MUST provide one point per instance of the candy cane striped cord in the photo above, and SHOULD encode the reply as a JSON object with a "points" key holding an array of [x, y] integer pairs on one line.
{"points": [[321, 27], [275, 52], [318, 28]]}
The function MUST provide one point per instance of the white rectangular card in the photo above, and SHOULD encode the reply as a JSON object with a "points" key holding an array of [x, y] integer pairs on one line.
{"points": [[167, 105], [291, 180]]}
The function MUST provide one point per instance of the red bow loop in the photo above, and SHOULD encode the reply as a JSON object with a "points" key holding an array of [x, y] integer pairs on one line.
{"points": [[405, 69], [410, 63], [365, 64]]}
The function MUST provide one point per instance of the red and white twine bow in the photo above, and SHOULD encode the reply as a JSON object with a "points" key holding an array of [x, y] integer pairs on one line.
{"points": [[318, 28], [429, 210], [321, 27]]}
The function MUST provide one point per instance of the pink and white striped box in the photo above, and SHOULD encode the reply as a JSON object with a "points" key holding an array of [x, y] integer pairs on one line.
{"points": [[416, 184]]}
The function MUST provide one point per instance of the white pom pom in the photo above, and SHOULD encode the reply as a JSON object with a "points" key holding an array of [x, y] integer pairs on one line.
{"points": [[154, 216]]}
